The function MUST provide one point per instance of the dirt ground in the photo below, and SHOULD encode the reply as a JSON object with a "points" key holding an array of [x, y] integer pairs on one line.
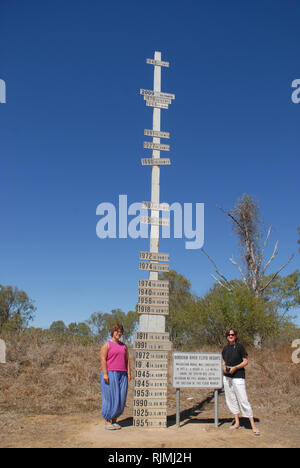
{"points": [[197, 430], [50, 397]]}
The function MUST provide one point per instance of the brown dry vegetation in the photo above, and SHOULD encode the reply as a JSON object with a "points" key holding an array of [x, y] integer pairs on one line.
{"points": [[44, 378]]}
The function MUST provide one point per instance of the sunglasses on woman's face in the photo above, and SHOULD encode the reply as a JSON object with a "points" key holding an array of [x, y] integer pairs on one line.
{"points": [[231, 334]]}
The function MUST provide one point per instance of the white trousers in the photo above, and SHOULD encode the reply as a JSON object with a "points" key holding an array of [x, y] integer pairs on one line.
{"points": [[236, 397]]}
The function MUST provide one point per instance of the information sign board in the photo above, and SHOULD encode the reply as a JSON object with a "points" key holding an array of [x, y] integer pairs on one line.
{"points": [[197, 370]]}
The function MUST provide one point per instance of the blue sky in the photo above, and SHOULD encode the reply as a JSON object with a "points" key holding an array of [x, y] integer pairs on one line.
{"points": [[71, 137]]}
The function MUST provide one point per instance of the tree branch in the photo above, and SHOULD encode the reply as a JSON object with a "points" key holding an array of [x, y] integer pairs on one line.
{"points": [[239, 268], [274, 276], [217, 269], [263, 249], [222, 284], [232, 217], [272, 258]]}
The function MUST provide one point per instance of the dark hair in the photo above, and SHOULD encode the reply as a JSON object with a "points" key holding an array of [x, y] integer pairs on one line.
{"points": [[116, 327], [227, 332]]}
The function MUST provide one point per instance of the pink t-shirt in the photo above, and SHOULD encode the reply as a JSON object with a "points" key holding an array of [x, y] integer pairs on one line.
{"points": [[116, 357]]}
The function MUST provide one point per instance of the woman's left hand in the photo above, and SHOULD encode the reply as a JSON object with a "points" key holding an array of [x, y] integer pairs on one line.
{"points": [[232, 370]]}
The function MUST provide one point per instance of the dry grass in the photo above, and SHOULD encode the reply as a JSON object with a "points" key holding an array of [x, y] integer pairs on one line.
{"points": [[44, 377]]}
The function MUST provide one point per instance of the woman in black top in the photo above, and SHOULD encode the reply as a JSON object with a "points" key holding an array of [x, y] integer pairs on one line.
{"points": [[235, 359]]}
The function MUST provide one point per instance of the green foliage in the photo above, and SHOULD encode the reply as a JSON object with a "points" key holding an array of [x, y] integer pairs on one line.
{"points": [[194, 321], [284, 291], [179, 322], [221, 309], [16, 309], [101, 324], [79, 329], [73, 334], [58, 327]]}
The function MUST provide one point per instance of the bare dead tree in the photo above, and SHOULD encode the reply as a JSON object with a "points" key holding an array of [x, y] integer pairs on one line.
{"points": [[247, 225]]}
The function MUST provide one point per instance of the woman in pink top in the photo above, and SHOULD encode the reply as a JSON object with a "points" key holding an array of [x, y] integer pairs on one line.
{"points": [[114, 378]]}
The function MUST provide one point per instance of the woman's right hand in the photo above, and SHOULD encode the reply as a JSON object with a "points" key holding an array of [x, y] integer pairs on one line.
{"points": [[105, 378]]}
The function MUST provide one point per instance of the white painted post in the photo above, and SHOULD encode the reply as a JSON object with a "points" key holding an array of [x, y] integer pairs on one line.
{"points": [[152, 342], [178, 407], [216, 392], [2, 352], [154, 322]]}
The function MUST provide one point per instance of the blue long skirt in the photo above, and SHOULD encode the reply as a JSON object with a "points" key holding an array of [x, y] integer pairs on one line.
{"points": [[114, 394]]}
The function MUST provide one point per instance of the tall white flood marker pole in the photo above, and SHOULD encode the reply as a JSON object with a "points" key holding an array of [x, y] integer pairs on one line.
{"points": [[152, 342]]}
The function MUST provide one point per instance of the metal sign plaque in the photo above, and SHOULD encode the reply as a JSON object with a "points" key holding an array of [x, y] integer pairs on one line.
{"points": [[151, 383], [151, 364], [155, 206], [157, 104], [150, 300], [150, 413], [150, 92], [142, 422], [158, 284], [153, 345], [156, 133], [147, 292], [155, 221], [152, 355], [148, 266], [198, 370], [144, 393], [157, 336], [150, 403], [156, 146], [156, 161], [157, 63], [153, 310], [155, 256], [151, 374], [160, 100]]}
